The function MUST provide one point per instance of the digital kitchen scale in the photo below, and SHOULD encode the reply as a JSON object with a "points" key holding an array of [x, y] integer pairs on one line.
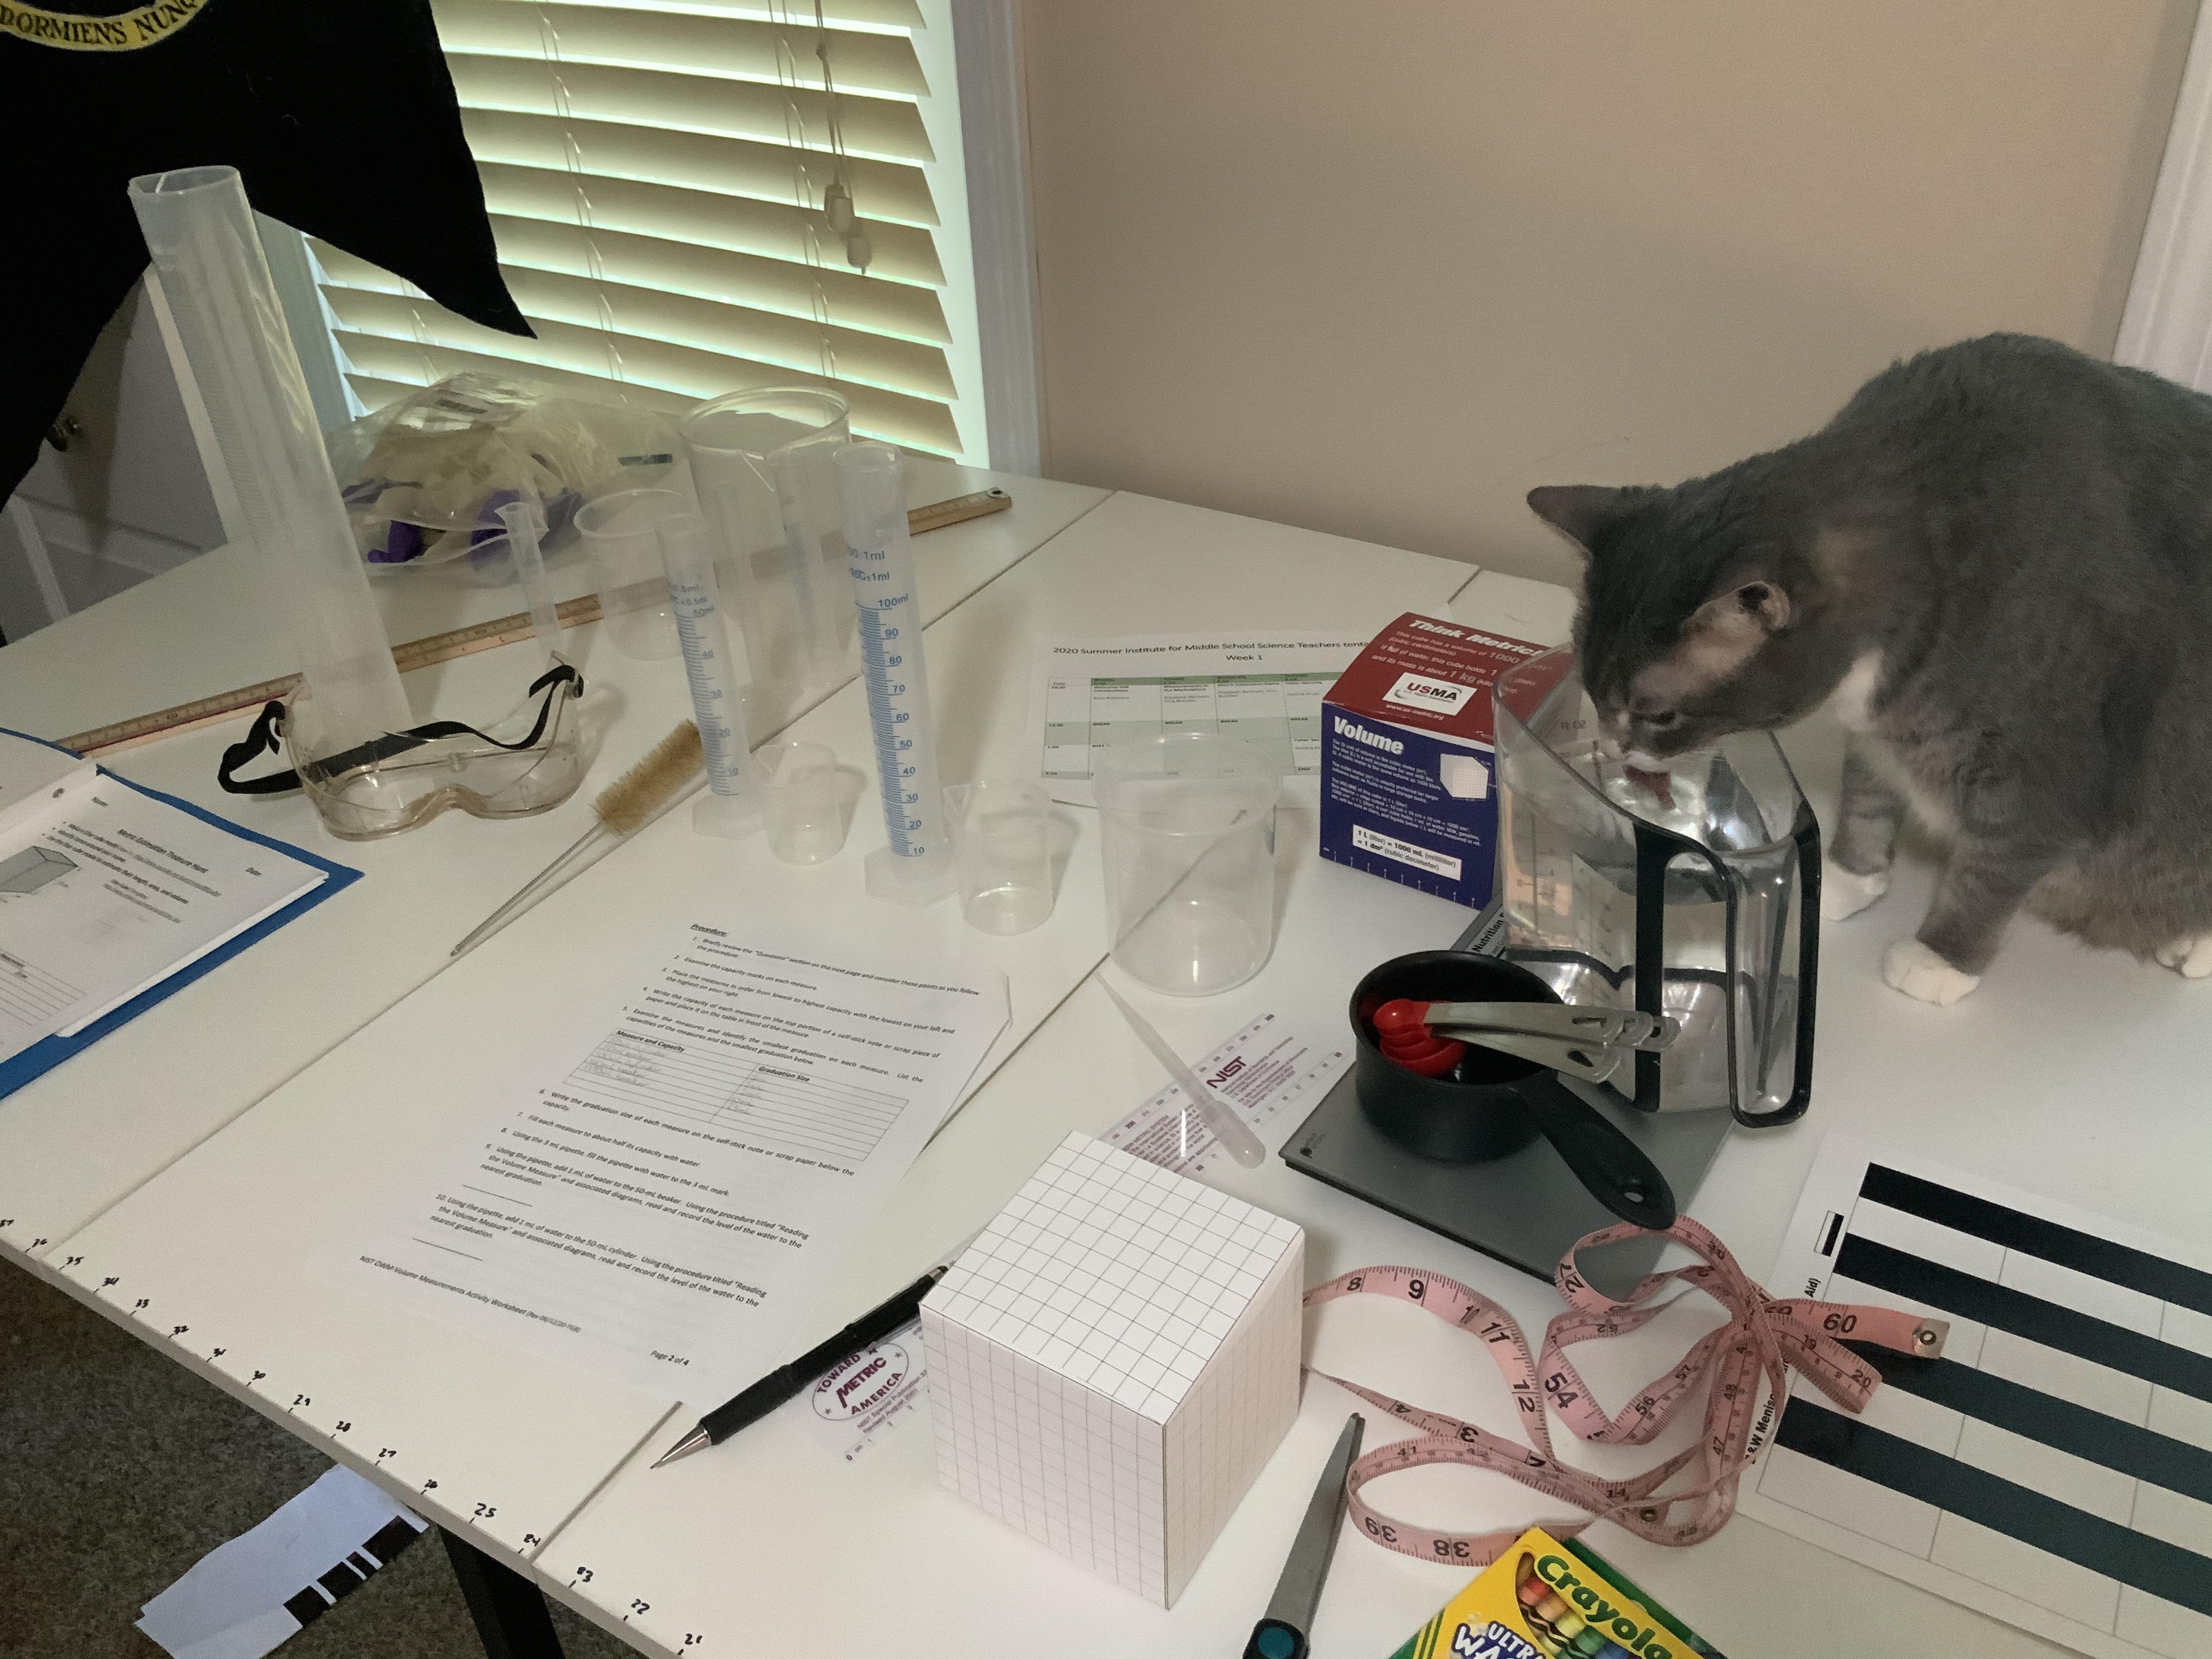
{"points": [[1525, 1209]]}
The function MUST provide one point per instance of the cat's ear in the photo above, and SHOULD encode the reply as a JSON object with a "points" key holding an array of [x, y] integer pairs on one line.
{"points": [[1576, 510], [1743, 617]]}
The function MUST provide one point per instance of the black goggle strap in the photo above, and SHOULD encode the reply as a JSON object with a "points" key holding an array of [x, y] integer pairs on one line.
{"points": [[268, 729]]}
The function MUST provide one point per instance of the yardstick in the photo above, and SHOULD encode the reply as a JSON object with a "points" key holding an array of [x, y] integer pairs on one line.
{"points": [[442, 647]]}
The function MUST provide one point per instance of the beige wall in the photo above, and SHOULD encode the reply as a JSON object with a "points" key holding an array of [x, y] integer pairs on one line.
{"points": [[1380, 268]]}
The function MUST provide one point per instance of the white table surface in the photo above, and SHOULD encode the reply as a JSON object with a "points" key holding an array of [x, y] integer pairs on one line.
{"points": [[2069, 1073], [2022, 1083], [76, 1140], [496, 1440]]}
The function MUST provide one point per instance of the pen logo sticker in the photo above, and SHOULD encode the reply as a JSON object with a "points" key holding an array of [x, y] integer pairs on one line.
{"points": [[857, 1385]]}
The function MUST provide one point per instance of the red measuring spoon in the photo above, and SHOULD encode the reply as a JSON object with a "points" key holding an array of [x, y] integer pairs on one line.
{"points": [[1401, 1032]]}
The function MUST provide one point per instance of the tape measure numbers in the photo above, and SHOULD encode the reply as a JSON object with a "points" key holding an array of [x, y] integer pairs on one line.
{"points": [[1764, 1338]]}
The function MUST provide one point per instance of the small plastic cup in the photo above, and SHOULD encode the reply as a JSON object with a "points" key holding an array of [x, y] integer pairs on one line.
{"points": [[1186, 825], [620, 533], [801, 801], [1000, 839]]}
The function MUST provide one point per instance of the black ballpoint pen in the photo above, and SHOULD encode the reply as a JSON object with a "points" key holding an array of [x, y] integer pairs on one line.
{"points": [[782, 1383]]}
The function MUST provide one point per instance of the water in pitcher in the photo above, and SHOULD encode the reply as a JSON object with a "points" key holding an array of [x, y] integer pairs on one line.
{"points": [[1568, 879]]}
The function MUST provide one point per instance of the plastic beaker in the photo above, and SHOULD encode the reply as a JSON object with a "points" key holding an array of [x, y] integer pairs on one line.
{"points": [[801, 801], [621, 537], [1188, 825], [762, 464], [1000, 837]]}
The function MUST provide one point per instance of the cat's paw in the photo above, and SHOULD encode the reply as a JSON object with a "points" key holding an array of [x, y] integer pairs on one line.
{"points": [[1842, 894], [2190, 956], [1912, 968]]}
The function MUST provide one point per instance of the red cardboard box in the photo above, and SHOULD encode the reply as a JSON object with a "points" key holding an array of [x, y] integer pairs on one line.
{"points": [[1409, 757]]}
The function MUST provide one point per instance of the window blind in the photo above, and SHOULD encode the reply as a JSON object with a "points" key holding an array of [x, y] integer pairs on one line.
{"points": [[655, 174]]}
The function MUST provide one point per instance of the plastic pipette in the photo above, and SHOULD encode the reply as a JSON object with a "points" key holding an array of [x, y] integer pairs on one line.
{"points": [[731, 804], [669, 769], [1217, 1113], [916, 867], [523, 526]]}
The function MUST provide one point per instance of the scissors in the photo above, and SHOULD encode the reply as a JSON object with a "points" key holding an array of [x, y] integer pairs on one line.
{"points": [[1281, 1633]]}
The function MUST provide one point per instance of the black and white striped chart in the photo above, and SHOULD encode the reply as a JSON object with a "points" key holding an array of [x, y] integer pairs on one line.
{"points": [[2054, 1468]]}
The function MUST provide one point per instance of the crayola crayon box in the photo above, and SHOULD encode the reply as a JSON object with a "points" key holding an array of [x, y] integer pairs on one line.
{"points": [[1546, 1599]]}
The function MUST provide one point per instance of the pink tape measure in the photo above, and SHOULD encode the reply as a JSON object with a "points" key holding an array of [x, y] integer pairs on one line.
{"points": [[1766, 1337]]}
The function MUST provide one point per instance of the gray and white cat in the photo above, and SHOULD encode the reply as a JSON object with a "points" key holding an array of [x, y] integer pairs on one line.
{"points": [[1995, 565]]}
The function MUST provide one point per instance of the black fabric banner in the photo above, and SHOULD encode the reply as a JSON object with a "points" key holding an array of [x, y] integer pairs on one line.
{"points": [[339, 114]]}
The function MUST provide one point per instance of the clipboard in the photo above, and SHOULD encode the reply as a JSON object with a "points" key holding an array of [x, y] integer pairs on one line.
{"points": [[47, 1053]]}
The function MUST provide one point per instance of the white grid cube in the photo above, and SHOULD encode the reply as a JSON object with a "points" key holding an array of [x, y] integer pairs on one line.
{"points": [[1113, 1359]]}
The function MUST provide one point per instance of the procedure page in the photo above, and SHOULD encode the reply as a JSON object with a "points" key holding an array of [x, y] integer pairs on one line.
{"points": [[661, 1207]]}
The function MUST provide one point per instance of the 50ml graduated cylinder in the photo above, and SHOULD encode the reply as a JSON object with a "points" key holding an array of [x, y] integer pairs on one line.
{"points": [[915, 867]]}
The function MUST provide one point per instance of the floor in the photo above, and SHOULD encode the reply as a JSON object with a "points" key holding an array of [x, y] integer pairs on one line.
{"points": [[118, 1469], [84, 579]]}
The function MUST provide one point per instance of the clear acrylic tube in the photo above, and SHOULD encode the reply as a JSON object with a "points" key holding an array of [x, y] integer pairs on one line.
{"points": [[917, 866], [525, 524], [761, 462], [280, 494]]}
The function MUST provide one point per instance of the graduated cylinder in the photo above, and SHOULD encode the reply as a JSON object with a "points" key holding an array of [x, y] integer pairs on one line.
{"points": [[280, 494], [731, 806], [916, 866]]}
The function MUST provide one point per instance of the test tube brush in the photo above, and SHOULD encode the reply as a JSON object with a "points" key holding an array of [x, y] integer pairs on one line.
{"points": [[623, 808]]}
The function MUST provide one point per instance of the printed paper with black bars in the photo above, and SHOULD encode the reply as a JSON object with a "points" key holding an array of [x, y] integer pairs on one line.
{"points": [[2054, 1468]]}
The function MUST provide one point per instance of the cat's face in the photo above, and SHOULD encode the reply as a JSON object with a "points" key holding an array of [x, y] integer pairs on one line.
{"points": [[1696, 620]]}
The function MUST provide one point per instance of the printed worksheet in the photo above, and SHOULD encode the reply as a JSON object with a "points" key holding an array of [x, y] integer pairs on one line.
{"points": [[1264, 688], [660, 1206], [2053, 1466], [104, 891]]}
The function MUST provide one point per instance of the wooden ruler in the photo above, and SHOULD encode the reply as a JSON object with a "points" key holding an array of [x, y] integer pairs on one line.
{"points": [[441, 647]]}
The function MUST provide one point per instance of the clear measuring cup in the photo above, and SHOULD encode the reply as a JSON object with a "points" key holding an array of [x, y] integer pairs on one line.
{"points": [[1188, 824], [801, 800], [1002, 843], [763, 464]]}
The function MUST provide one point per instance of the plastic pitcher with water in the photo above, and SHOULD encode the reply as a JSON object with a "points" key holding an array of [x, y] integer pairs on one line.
{"points": [[1694, 892]]}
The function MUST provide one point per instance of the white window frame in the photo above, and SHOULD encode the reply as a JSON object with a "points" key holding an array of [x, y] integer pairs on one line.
{"points": [[994, 138], [2168, 325]]}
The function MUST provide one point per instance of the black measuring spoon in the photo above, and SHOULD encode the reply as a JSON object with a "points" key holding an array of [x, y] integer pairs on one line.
{"points": [[1493, 1105]]}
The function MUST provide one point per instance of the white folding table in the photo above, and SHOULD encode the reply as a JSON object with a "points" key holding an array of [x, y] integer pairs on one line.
{"points": [[2070, 1073], [74, 1141], [834, 1553]]}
